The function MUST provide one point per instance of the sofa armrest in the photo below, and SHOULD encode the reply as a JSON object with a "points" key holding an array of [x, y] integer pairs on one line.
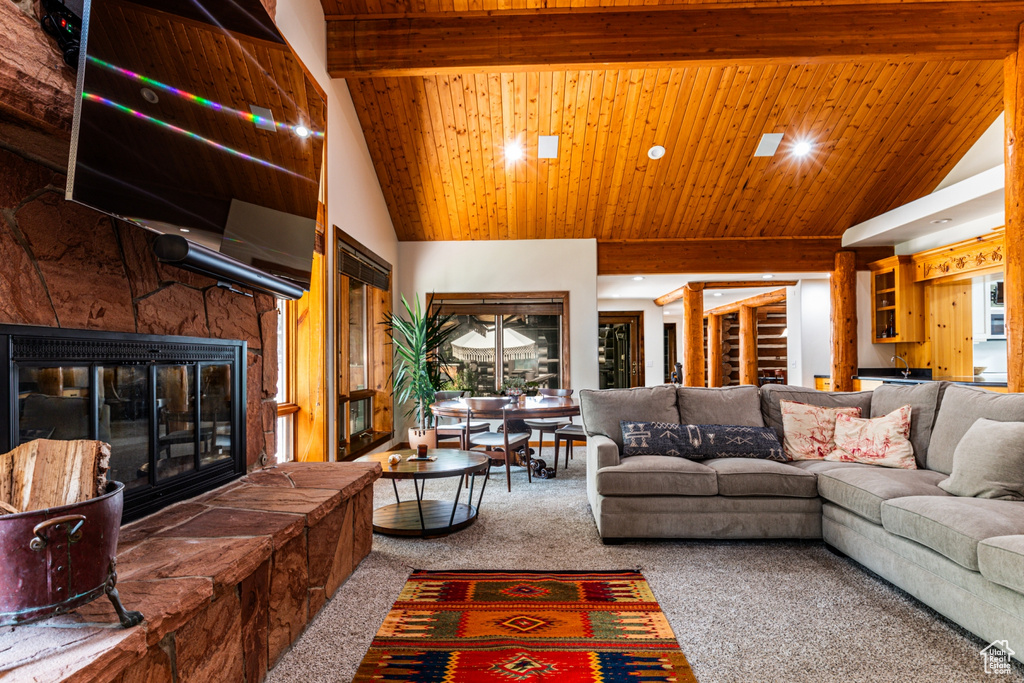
{"points": [[601, 452]]}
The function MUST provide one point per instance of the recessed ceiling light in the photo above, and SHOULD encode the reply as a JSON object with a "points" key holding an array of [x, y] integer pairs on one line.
{"points": [[718, 294], [638, 278], [615, 296], [302, 131], [802, 148], [513, 151], [768, 145], [767, 277], [940, 221], [184, 230], [149, 95], [656, 152]]}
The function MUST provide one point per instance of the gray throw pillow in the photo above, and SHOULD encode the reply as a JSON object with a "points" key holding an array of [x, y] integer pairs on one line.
{"points": [[989, 462], [699, 442]]}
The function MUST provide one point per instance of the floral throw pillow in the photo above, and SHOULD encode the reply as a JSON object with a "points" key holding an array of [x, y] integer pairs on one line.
{"points": [[808, 431], [881, 441]]}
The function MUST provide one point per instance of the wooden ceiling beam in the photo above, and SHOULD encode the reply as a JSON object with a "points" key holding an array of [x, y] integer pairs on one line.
{"points": [[652, 257], [584, 38], [677, 294], [774, 297]]}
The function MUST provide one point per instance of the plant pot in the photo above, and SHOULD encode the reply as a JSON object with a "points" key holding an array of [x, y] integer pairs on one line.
{"points": [[422, 436]]}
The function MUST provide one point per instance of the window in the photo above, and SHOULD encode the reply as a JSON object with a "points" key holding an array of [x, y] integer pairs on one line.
{"points": [[528, 332], [286, 407], [364, 417]]}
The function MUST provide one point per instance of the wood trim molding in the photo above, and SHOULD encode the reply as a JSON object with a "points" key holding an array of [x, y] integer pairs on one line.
{"points": [[759, 255], [421, 44], [774, 297], [679, 293], [967, 258]]}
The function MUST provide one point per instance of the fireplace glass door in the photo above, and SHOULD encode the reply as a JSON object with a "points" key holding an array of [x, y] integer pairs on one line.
{"points": [[172, 409]]}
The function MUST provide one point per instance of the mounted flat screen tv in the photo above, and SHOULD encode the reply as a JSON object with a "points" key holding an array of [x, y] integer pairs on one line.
{"points": [[194, 118]]}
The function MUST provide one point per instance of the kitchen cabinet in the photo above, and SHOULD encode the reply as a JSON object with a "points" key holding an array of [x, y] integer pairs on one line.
{"points": [[897, 303]]}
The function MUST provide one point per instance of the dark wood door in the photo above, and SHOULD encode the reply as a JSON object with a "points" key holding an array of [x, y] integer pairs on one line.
{"points": [[621, 349]]}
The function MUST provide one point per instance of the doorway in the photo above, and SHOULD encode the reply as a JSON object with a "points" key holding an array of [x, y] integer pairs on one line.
{"points": [[621, 349], [670, 351]]}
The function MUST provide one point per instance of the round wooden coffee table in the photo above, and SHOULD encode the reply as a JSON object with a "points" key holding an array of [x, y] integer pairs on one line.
{"points": [[429, 518]]}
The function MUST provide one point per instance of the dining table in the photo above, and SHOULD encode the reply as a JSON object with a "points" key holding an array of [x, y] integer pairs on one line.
{"points": [[517, 409]]}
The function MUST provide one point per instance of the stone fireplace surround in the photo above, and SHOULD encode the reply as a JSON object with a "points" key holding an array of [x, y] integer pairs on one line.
{"points": [[64, 265]]}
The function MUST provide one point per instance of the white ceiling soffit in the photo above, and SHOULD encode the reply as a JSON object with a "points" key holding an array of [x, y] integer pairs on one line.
{"points": [[978, 201]]}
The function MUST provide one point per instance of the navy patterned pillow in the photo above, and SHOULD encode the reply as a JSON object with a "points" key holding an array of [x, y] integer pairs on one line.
{"points": [[698, 442]]}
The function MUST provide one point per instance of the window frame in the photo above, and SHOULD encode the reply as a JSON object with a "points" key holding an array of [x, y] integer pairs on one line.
{"points": [[509, 303], [287, 408]]}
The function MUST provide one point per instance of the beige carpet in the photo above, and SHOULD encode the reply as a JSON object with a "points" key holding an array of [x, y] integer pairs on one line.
{"points": [[742, 611]]}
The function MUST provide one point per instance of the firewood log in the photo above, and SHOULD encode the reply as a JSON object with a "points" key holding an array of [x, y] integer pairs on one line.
{"points": [[44, 473]]}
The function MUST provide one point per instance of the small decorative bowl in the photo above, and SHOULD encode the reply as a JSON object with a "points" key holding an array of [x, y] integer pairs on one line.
{"points": [[394, 459]]}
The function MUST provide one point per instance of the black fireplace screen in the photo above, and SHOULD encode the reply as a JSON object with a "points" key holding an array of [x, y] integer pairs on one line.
{"points": [[171, 408]]}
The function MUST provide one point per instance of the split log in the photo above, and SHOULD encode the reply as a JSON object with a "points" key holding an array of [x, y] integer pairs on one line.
{"points": [[43, 473]]}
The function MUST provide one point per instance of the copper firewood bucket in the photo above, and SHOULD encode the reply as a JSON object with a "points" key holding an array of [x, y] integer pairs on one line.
{"points": [[57, 559]]}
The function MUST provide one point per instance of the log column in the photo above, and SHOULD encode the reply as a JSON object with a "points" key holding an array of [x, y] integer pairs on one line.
{"points": [[844, 321], [1013, 90], [714, 350], [693, 336], [748, 345]]}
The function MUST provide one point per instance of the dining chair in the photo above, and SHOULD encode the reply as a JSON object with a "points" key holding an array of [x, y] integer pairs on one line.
{"points": [[498, 445], [457, 430], [549, 424], [570, 433]]}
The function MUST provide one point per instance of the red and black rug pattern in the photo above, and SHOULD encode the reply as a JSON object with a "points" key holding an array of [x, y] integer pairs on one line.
{"points": [[570, 627]]}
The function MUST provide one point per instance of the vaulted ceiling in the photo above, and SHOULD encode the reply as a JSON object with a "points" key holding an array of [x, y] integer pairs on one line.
{"points": [[884, 131]]}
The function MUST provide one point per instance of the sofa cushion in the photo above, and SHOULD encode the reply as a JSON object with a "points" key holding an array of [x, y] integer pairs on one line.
{"points": [[771, 394], [989, 462], [700, 441], [1001, 560], [882, 441], [923, 400], [863, 490], [720, 406], [818, 466], [810, 430], [749, 477], [952, 527], [961, 407], [656, 475], [603, 410]]}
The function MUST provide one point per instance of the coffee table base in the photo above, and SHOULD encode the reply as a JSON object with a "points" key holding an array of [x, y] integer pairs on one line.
{"points": [[403, 519]]}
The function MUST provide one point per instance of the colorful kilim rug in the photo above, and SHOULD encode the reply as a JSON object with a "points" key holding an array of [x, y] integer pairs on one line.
{"points": [[569, 627]]}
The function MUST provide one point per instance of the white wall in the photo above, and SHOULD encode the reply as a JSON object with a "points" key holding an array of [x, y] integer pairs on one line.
{"points": [[654, 334], [355, 202], [809, 350], [514, 266], [869, 354]]}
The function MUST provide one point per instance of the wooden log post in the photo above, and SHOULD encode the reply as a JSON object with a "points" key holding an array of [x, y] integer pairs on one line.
{"points": [[1013, 90], [714, 350], [693, 336], [748, 345], [844, 321]]}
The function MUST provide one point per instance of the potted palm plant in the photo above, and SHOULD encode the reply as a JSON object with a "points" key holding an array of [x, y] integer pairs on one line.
{"points": [[417, 339]]}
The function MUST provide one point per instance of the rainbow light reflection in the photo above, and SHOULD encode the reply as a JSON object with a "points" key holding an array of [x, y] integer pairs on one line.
{"points": [[89, 97], [202, 101]]}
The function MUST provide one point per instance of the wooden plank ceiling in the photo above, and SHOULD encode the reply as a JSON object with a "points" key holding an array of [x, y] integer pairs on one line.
{"points": [[883, 133]]}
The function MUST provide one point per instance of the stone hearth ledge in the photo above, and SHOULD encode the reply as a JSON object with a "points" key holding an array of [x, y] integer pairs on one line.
{"points": [[226, 581]]}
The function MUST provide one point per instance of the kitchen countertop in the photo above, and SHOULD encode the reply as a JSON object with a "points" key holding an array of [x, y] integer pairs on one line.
{"points": [[918, 375]]}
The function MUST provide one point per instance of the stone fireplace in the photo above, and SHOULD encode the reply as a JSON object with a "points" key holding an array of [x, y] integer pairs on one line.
{"points": [[68, 267]]}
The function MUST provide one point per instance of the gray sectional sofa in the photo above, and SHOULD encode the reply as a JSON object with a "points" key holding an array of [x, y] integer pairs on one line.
{"points": [[964, 557]]}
